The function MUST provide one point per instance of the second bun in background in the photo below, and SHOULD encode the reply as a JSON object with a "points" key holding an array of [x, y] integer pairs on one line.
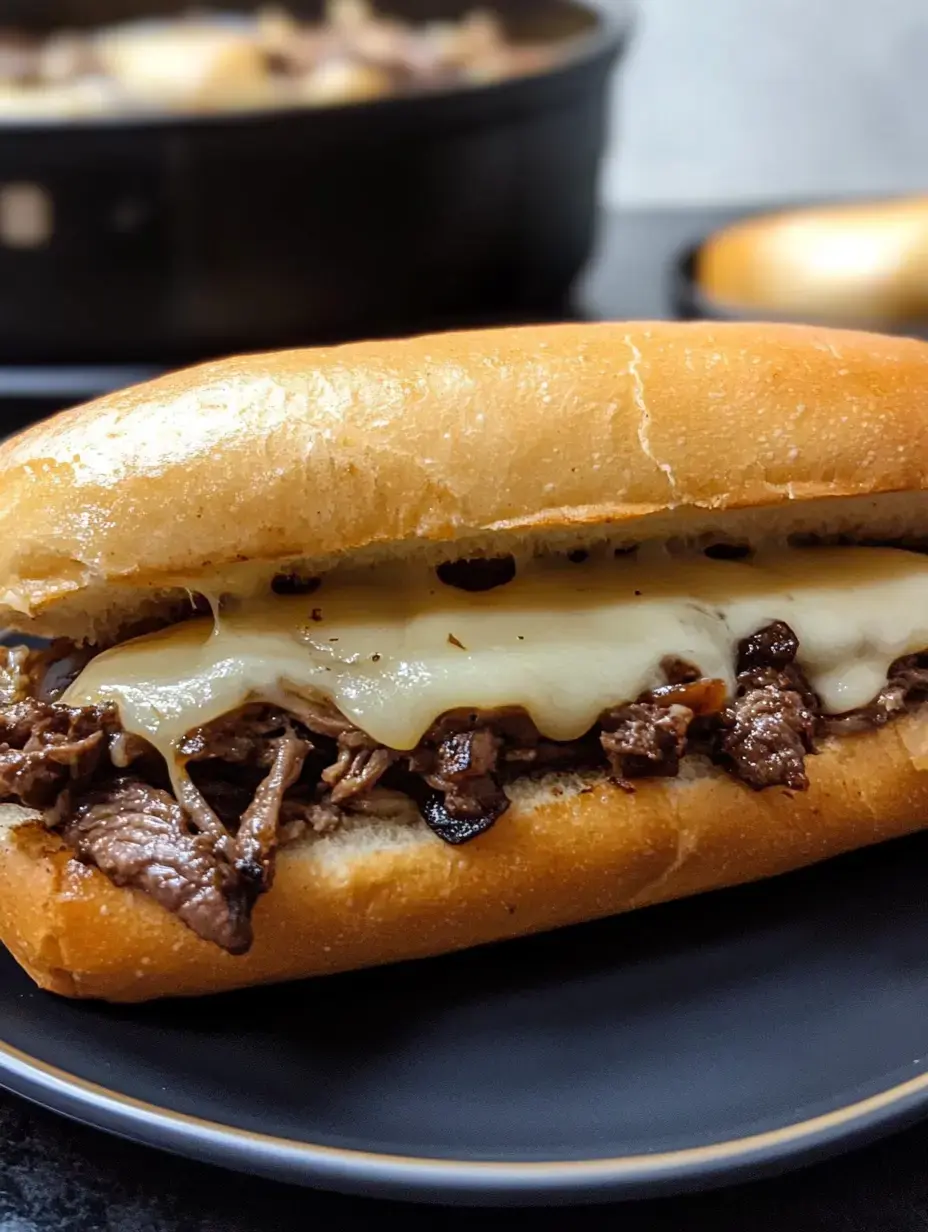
{"points": [[860, 264]]}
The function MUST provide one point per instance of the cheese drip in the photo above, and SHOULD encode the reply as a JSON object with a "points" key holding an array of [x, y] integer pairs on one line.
{"points": [[394, 649]]}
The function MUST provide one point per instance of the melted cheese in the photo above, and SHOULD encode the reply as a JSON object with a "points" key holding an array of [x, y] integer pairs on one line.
{"points": [[565, 641]]}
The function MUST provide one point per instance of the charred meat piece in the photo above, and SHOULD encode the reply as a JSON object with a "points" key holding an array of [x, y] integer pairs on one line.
{"points": [[465, 756], [463, 768], [457, 829], [770, 725], [645, 739], [773, 646]]}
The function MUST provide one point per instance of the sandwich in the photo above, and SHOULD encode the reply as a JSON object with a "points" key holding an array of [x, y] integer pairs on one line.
{"points": [[340, 657]]}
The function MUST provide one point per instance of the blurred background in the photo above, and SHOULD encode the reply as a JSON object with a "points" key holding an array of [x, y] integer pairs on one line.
{"points": [[178, 182], [756, 100]]}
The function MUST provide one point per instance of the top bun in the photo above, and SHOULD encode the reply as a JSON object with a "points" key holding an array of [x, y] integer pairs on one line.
{"points": [[455, 445]]}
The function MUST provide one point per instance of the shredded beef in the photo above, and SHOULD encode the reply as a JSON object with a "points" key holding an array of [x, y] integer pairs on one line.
{"points": [[299, 814], [240, 737], [200, 812], [264, 775], [44, 748], [455, 758], [303, 810], [226, 793], [770, 725], [256, 838], [225, 759], [645, 739], [386, 803], [319, 717], [139, 836], [463, 774], [360, 765]]}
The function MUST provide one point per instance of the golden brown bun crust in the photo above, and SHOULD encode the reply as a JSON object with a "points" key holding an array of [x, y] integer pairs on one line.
{"points": [[860, 264], [458, 438], [551, 860]]}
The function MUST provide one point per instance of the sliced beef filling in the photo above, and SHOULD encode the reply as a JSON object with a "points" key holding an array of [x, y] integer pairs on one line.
{"points": [[261, 776], [141, 837], [207, 872]]}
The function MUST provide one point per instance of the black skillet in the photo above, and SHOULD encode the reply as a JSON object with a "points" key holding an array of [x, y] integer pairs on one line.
{"points": [[174, 238]]}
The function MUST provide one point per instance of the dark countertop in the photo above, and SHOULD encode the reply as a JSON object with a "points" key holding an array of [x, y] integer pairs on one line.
{"points": [[60, 1177]]}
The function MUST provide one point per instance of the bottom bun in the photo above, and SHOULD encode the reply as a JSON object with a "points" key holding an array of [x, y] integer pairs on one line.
{"points": [[570, 849]]}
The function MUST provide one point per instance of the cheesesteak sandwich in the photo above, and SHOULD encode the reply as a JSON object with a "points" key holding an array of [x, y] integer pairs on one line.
{"points": [[375, 652]]}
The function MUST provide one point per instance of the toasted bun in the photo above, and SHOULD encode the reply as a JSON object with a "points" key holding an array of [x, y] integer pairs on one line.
{"points": [[861, 264], [570, 850], [460, 444], [457, 444]]}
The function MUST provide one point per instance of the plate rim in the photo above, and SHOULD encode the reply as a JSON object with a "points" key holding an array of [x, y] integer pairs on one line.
{"points": [[466, 1182]]}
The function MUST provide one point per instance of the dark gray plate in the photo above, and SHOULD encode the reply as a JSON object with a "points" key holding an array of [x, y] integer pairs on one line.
{"points": [[673, 1049]]}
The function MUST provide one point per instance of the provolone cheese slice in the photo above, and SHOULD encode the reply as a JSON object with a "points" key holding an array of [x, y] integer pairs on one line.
{"points": [[393, 650]]}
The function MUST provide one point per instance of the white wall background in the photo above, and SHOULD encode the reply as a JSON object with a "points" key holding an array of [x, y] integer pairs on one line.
{"points": [[725, 100]]}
